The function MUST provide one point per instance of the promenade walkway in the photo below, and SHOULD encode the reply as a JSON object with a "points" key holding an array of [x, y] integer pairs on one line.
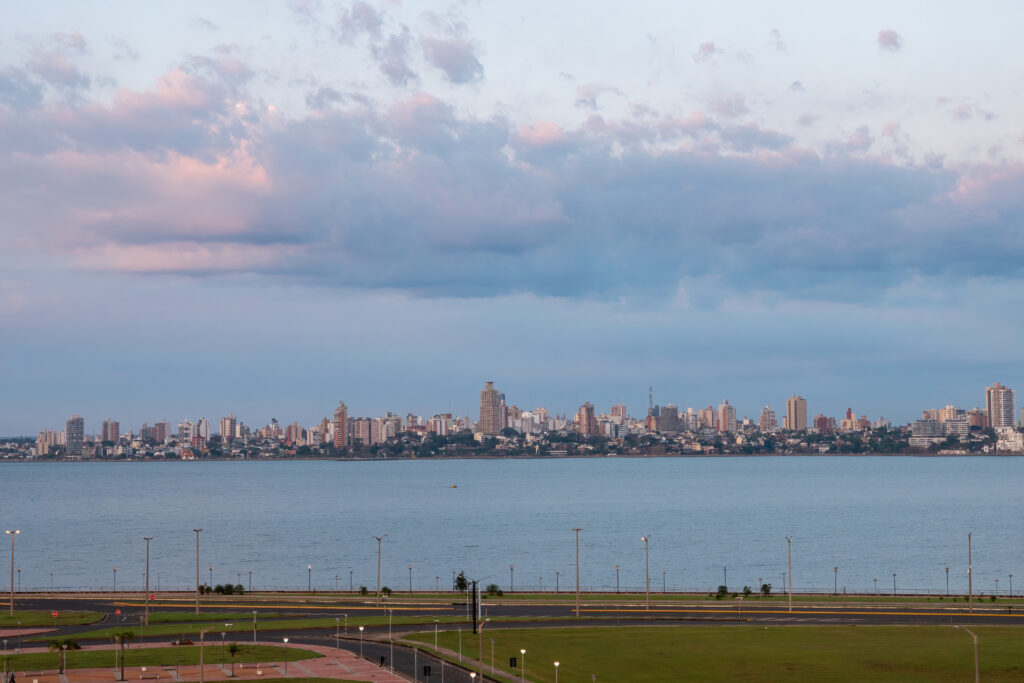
{"points": [[338, 664]]}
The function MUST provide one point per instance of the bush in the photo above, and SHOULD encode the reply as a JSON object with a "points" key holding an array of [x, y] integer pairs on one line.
{"points": [[363, 591], [384, 590], [722, 592], [493, 589], [766, 589], [747, 591]]}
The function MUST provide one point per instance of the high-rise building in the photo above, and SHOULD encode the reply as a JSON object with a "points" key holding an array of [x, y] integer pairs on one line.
{"points": [[185, 433], [726, 417], [341, 425], [160, 431], [618, 410], [111, 430], [203, 429], [999, 406], [668, 419], [796, 414], [228, 427], [708, 418], [293, 434], [824, 425], [492, 411], [768, 423], [74, 435], [1020, 420], [586, 423]]}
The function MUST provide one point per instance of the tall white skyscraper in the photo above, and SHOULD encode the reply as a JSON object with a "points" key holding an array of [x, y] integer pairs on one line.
{"points": [[999, 405], [203, 429]]}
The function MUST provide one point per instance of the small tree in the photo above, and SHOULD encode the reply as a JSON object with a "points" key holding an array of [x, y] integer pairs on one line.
{"points": [[461, 583], [384, 590], [61, 646], [747, 591], [494, 590], [234, 649], [363, 590], [766, 589], [722, 592]]}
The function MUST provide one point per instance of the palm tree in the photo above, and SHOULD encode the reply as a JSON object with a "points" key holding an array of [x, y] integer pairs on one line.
{"points": [[234, 649], [122, 638], [61, 646]]}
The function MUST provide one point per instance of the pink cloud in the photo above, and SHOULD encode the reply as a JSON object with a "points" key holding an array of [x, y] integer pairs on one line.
{"points": [[889, 40], [706, 52], [541, 134], [182, 257]]}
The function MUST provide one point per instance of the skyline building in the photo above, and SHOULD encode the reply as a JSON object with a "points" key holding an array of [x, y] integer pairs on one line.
{"points": [[796, 413], [767, 421], [341, 425], [228, 427], [185, 433], [999, 402], [74, 435], [111, 430], [492, 412], [586, 423], [726, 417]]}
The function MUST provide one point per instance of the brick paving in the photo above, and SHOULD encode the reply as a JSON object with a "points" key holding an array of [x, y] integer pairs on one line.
{"points": [[334, 664]]}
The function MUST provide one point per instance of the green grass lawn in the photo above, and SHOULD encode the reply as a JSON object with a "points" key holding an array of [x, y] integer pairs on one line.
{"points": [[240, 624], [163, 656], [749, 653], [181, 617], [45, 618]]}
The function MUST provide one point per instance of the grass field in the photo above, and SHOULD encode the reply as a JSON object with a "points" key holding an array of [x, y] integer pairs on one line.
{"points": [[240, 623], [45, 618], [791, 653], [163, 656]]}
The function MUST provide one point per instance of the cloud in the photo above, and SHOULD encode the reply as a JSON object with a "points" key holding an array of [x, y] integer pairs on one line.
{"points": [[123, 51], [305, 10], [889, 40], [72, 42], [456, 57], [730, 106], [392, 56], [796, 86], [361, 18], [205, 24], [18, 90], [775, 36], [587, 94], [706, 52]]}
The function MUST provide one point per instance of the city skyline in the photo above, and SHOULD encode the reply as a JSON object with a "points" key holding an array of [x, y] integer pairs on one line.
{"points": [[211, 208]]}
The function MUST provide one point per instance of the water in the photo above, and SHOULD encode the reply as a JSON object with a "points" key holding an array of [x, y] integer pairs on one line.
{"points": [[869, 516]]}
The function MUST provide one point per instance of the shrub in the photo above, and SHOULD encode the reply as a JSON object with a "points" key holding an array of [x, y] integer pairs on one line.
{"points": [[766, 589], [747, 591], [384, 590], [722, 592], [362, 590]]}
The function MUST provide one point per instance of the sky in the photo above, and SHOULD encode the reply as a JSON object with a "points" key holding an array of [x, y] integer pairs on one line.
{"points": [[265, 208]]}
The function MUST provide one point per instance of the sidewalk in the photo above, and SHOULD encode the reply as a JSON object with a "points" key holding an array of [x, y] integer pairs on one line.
{"points": [[334, 664]]}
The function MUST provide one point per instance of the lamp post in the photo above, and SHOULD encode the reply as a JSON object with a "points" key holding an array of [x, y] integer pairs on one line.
{"points": [[12, 533], [556, 672], [1011, 585], [947, 581], [437, 584], [894, 583], [350, 589], [51, 582], [435, 634], [523, 653], [556, 582], [309, 578], [876, 585], [970, 577], [285, 656], [410, 578], [578, 530], [616, 578], [663, 582], [147, 539], [835, 583], [335, 583], [361, 642], [511, 578], [211, 576], [115, 579], [197, 569], [254, 626], [789, 560], [250, 581], [647, 572], [997, 585], [380, 539]]}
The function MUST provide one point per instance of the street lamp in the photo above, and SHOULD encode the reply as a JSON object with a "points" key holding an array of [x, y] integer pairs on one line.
{"points": [[947, 580], [197, 569], [556, 672], [437, 584], [380, 539], [12, 533], [147, 539], [894, 583], [1011, 585], [309, 578], [211, 576], [360, 641], [876, 585], [647, 572], [335, 583], [663, 582], [511, 578], [556, 582], [616, 578], [250, 581], [523, 653], [350, 589], [115, 579], [410, 578], [789, 556], [285, 656], [835, 588], [577, 530], [435, 634]]}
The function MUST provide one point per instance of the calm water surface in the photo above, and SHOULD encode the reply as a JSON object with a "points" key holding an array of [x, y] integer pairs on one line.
{"points": [[870, 516]]}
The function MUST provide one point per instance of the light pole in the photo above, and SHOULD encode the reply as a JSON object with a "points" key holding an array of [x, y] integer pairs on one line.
{"points": [[997, 586], [12, 533], [1011, 585], [970, 577], [335, 583], [947, 581], [197, 569], [647, 572], [663, 582], [115, 579], [285, 656], [380, 539], [789, 556], [876, 585], [835, 583], [511, 578], [556, 583], [523, 653], [250, 581], [437, 584], [350, 589], [556, 672], [360, 642], [309, 578], [435, 634], [254, 626], [578, 530], [894, 583], [147, 539], [211, 576], [616, 578], [51, 582], [410, 578]]}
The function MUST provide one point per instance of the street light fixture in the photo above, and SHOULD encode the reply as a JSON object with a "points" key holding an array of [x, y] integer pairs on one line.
{"points": [[115, 579], [578, 530], [285, 656], [947, 581], [523, 653], [835, 588], [12, 533], [616, 578], [647, 572], [380, 539], [360, 641], [147, 539], [511, 578], [309, 578], [556, 672], [1011, 585], [197, 568], [410, 578], [894, 583], [789, 560]]}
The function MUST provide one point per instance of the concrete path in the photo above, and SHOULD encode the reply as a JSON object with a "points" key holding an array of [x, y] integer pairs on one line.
{"points": [[334, 664]]}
